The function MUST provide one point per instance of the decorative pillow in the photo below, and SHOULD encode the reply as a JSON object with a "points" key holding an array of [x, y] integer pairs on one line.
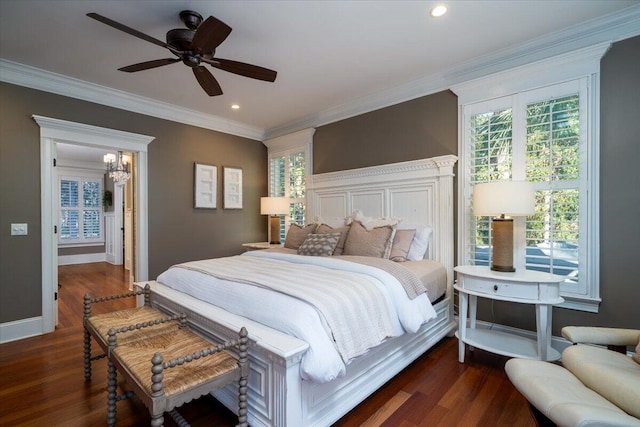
{"points": [[370, 222], [636, 355], [319, 244], [420, 242], [324, 228], [375, 243], [297, 234], [401, 244], [336, 222]]}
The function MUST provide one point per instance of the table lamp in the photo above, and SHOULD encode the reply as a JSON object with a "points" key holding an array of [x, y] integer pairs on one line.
{"points": [[503, 200], [274, 206]]}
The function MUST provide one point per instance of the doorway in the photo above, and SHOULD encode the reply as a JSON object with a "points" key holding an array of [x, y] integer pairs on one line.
{"points": [[53, 131]]}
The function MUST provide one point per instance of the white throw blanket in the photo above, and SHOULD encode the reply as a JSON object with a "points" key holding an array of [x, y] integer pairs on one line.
{"points": [[353, 309], [246, 296]]}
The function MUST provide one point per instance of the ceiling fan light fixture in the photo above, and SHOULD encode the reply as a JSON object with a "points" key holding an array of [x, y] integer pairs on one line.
{"points": [[195, 46], [438, 10]]}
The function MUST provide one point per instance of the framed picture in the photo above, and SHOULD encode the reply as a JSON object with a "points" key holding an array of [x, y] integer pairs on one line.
{"points": [[232, 181], [205, 186]]}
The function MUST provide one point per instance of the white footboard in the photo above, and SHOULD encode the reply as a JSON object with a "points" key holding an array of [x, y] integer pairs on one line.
{"points": [[277, 394]]}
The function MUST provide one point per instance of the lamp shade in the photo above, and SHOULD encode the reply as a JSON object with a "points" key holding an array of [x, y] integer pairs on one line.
{"points": [[274, 205], [510, 198]]}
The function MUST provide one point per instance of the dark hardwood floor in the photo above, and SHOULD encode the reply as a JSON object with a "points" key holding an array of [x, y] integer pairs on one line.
{"points": [[42, 382]]}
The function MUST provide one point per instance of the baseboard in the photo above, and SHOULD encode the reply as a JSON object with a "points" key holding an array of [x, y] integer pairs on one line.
{"points": [[20, 329], [81, 258]]}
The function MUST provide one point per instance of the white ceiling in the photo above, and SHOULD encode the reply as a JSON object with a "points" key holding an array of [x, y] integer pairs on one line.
{"points": [[333, 58]]}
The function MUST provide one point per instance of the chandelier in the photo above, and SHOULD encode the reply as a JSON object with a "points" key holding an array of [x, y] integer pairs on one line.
{"points": [[117, 168]]}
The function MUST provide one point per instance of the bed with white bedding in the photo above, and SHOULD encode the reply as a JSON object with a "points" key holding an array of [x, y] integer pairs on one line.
{"points": [[328, 331]]}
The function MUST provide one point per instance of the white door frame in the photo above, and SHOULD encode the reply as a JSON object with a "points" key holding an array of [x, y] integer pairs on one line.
{"points": [[51, 132]]}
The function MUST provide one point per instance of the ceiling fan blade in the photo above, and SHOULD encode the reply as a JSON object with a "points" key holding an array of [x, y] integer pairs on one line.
{"points": [[129, 30], [148, 65], [207, 81], [210, 34], [243, 69]]}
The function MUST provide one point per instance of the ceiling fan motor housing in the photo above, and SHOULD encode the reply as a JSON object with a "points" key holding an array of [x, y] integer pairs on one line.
{"points": [[191, 19], [180, 38]]}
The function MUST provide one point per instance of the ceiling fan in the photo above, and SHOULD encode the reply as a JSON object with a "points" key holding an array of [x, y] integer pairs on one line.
{"points": [[194, 45]]}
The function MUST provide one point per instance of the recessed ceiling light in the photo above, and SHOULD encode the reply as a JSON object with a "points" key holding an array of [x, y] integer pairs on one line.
{"points": [[438, 10], [235, 107]]}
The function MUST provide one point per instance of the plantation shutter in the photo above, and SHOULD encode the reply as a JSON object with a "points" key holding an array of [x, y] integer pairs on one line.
{"points": [[287, 175], [553, 165], [490, 160], [538, 136], [80, 210]]}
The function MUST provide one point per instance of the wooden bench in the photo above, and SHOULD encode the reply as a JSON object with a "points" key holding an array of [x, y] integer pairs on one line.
{"points": [[173, 365], [97, 326]]}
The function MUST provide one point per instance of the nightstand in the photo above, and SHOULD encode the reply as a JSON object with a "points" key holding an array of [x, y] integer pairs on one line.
{"points": [[524, 287], [260, 245]]}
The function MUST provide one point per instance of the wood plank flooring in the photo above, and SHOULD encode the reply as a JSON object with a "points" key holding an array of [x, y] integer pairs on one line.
{"points": [[42, 382]]}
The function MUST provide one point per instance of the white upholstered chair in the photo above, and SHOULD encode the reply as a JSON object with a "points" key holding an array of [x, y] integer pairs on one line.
{"points": [[595, 386]]}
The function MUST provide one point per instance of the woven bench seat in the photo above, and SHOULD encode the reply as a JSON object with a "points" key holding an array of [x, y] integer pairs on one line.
{"points": [[168, 366], [137, 358], [97, 326]]}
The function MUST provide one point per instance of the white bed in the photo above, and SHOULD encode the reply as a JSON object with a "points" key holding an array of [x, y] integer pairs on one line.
{"points": [[420, 192]]}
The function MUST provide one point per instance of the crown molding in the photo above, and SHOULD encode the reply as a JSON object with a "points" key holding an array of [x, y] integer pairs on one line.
{"points": [[36, 78], [608, 29]]}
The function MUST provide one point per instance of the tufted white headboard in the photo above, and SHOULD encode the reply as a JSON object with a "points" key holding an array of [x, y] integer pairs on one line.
{"points": [[418, 191]]}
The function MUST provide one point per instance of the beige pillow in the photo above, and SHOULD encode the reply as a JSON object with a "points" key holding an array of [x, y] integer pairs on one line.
{"points": [[324, 229], [319, 244], [401, 244], [297, 234], [375, 243]]}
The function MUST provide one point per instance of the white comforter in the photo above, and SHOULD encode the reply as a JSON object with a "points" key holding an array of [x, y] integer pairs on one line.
{"points": [[322, 362]]}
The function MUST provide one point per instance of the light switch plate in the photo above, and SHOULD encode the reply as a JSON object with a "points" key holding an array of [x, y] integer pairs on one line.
{"points": [[19, 229]]}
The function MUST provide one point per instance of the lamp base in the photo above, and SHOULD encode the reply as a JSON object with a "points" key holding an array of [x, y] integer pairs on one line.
{"points": [[274, 224], [502, 245]]}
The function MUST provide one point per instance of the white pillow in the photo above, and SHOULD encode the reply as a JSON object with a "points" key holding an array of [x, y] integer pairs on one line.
{"points": [[370, 223], [420, 242], [336, 222]]}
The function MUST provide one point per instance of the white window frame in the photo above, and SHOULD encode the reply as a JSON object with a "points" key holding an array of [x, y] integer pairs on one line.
{"points": [[496, 91], [81, 176], [284, 146]]}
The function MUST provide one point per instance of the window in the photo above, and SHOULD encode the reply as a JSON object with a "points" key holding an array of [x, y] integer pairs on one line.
{"points": [[289, 164], [546, 135], [80, 209]]}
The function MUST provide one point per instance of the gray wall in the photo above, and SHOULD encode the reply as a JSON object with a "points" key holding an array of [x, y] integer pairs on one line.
{"points": [[177, 231], [427, 127], [417, 129]]}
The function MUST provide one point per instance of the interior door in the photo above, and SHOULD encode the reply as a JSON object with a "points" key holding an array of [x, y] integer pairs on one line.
{"points": [[55, 202]]}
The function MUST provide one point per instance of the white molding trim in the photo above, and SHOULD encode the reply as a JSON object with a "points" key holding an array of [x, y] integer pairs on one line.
{"points": [[19, 329], [36, 78], [51, 132], [81, 258], [301, 138], [443, 164], [570, 66]]}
